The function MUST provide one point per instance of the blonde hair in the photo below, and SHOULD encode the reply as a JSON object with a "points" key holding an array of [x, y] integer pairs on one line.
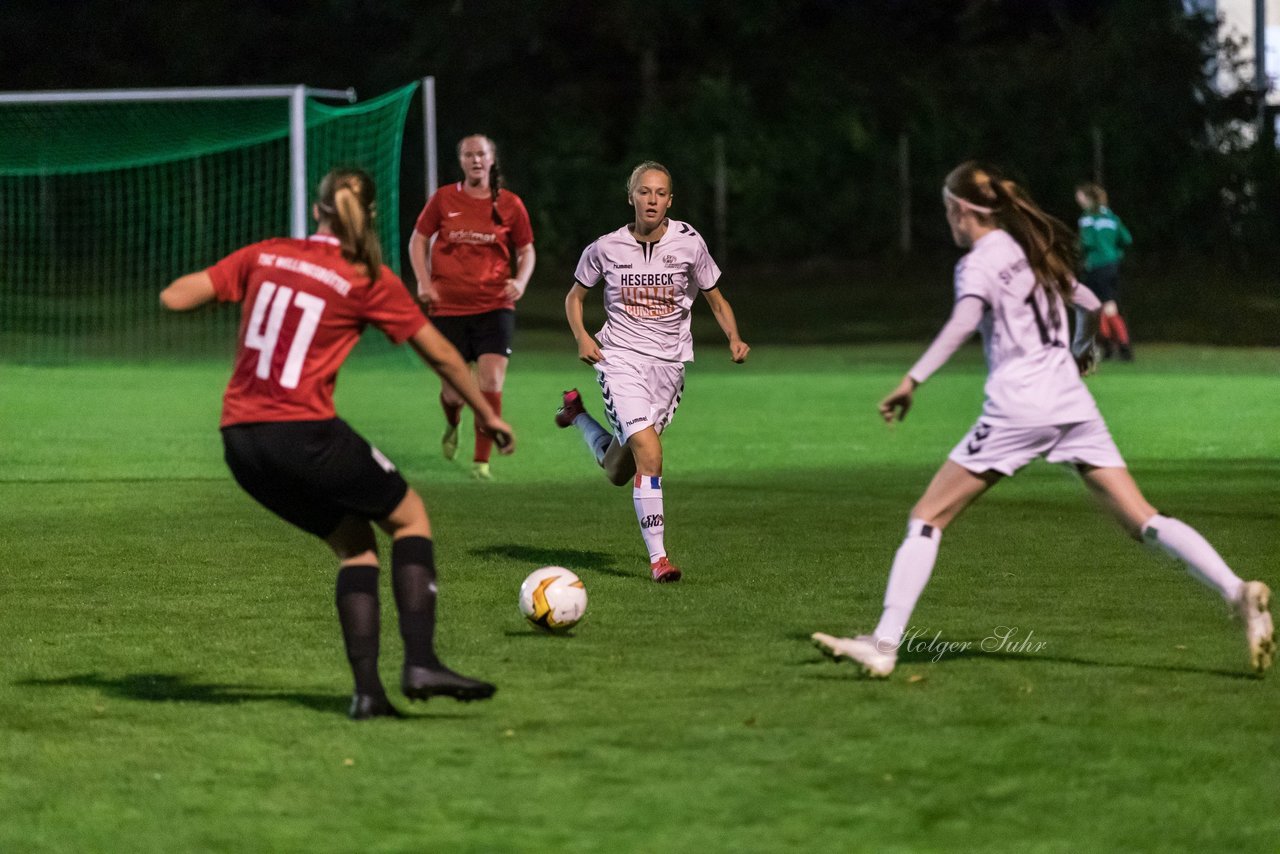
{"points": [[347, 208], [647, 166], [1050, 246]]}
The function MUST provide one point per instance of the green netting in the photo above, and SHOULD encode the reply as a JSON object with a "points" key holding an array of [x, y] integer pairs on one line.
{"points": [[71, 138], [103, 204], [368, 135]]}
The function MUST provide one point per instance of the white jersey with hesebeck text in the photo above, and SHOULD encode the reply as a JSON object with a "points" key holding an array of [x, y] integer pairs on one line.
{"points": [[649, 289], [1032, 378]]}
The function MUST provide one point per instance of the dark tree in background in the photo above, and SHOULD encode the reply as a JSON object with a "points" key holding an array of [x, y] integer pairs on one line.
{"points": [[810, 96]]}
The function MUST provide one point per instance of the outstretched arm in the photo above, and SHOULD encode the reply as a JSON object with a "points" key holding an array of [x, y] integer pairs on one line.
{"points": [[444, 359], [187, 292], [588, 349], [964, 321], [723, 312]]}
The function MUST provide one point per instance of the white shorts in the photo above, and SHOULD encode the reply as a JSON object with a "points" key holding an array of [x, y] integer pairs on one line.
{"points": [[637, 393], [1006, 449]]}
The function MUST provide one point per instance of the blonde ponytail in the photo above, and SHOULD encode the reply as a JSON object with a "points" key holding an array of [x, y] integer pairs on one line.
{"points": [[346, 206]]}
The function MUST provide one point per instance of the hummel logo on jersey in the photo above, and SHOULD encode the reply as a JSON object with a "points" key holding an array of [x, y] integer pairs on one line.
{"points": [[622, 266], [635, 420]]}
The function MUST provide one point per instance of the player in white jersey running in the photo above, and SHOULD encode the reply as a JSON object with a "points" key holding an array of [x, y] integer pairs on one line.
{"points": [[652, 270], [1014, 286]]}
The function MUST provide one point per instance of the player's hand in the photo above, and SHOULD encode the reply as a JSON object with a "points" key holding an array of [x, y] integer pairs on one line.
{"points": [[512, 291], [1086, 356], [738, 350], [589, 350], [501, 433], [428, 293], [898, 403]]}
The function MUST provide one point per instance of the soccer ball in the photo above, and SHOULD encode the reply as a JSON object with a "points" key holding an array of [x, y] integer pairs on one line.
{"points": [[553, 598]]}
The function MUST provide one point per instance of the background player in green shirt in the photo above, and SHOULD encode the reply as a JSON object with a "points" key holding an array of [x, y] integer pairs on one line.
{"points": [[1103, 239]]}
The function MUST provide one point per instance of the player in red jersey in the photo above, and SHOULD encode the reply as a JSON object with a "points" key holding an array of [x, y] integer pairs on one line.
{"points": [[466, 281], [305, 303]]}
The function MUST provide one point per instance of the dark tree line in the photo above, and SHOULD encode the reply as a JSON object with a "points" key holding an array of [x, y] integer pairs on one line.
{"points": [[810, 97]]}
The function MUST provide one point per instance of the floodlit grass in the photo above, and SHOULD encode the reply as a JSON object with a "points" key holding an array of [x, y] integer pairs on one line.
{"points": [[174, 677]]}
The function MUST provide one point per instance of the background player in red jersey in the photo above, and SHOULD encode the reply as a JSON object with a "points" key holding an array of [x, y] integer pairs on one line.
{"points": [[305, 305], [465, 278]]}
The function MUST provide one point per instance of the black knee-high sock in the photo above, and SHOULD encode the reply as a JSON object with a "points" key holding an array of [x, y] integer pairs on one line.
{"points": [[357, 598], [413, 578]]}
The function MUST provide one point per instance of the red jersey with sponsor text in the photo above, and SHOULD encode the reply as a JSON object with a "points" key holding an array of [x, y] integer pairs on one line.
{"points": [[471, 257], [303, 309]]}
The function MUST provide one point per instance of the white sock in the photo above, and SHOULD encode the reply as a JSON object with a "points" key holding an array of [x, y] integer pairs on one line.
{"points": [[912, 566], [646, 495], [1183, 542], [596, 437]]}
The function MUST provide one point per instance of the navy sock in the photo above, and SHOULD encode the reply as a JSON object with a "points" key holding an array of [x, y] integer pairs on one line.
{"points": [[413, 578], [357, 600]]}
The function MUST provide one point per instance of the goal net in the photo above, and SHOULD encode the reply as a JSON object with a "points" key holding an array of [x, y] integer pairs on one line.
{"points": [[103, 202]]}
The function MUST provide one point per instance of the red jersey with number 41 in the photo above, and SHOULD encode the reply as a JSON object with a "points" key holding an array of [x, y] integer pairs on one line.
{"points": [[304, 308]]}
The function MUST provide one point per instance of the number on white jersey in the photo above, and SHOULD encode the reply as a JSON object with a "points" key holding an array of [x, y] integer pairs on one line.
{"points": [[263, 332], [1046, 322]]}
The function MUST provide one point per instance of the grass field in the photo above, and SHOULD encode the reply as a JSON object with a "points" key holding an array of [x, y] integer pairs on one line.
{"points": [[174, 678]]}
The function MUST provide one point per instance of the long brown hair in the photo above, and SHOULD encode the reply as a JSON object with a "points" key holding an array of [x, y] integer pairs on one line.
{"points": [[1049, 244], [347, 207]]}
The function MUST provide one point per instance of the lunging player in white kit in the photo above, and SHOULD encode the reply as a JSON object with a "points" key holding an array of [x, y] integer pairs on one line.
{"points": [[1014, 286], [652, 270]]}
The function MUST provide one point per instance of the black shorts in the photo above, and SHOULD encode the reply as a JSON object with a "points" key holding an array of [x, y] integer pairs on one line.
{"points": [[1104, 281], [312, 473], [477, 334]]}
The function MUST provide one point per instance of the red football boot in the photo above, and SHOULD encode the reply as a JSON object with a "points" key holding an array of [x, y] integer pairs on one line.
{"points": [[570, 408], [664, 571]]}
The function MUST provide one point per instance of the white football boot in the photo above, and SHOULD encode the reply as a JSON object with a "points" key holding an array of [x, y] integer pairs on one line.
{"points": [[1255, 600], [862, 650]]}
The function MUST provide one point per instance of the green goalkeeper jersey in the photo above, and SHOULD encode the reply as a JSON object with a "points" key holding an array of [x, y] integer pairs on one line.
{"points": [[1103, 238]]}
